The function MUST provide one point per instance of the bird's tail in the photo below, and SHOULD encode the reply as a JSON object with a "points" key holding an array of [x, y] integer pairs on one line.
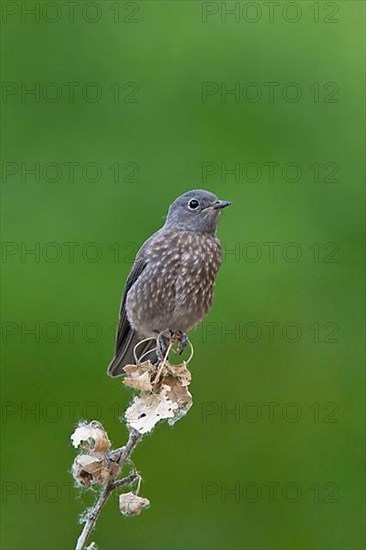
{"points": [[125, 355]]}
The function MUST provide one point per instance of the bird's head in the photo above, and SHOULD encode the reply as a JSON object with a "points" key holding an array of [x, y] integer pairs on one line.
{"points": [[196, 210]]}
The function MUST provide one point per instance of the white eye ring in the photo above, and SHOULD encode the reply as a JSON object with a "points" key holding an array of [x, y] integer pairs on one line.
{"points": [[193, 204]]}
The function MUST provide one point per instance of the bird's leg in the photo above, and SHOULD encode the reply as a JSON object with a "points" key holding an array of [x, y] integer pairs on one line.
{"points": [[182, 339], [163, 341]]}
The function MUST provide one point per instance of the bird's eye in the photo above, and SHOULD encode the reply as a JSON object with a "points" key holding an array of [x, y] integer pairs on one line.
{"points": [[193, 204]]}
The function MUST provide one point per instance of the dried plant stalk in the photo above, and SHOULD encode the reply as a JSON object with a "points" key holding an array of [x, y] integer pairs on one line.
{"points": [[162, 394]]}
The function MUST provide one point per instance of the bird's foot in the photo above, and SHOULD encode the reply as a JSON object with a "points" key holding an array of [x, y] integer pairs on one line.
{"points": [[167, 338], [182, 340]]}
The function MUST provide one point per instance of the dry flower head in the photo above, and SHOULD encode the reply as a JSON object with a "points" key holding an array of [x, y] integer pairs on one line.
{"points": [[163, 394]]}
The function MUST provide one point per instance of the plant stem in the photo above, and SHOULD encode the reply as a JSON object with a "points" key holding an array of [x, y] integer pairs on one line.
{"points": [[123, 454]]}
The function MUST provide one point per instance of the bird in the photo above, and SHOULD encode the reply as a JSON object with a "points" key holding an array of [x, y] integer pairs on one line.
{"points": [[170, 286]]}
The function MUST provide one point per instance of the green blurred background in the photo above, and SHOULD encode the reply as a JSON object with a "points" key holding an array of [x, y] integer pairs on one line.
{"points": [[168, 132]]}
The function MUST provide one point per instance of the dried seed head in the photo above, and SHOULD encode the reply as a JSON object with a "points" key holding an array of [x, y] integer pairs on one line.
{"points": [[169, 401], [139, 376], [89, 468], [91, 437], [131, 504], [80, 475]]}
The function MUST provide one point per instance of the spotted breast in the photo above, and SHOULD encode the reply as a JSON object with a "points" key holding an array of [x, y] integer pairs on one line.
{"points": [[175, 289]]}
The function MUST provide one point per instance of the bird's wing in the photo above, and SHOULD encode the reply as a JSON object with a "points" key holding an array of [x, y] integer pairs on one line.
{"points": [[127, 338], [124, 327]]}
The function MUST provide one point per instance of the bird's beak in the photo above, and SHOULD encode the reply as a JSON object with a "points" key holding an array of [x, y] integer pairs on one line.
{"points": [[218, 205]]}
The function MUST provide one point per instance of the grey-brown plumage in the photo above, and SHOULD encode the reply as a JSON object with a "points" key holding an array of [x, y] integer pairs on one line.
{"points": [[171, 283]]}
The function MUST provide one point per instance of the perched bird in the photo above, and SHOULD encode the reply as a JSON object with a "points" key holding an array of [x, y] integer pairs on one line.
{"points": [[171, 283]]}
